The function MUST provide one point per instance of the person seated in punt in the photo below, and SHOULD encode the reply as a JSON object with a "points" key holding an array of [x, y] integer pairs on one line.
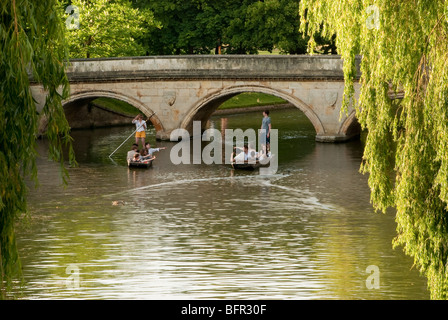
{"points": [[243, 156], [144, 155], [250, 148], [152, 150], [262, 154], [132, 152], [136, 158]]}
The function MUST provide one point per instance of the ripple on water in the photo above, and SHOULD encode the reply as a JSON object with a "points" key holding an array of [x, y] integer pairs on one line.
{"points": [[206, 232]]}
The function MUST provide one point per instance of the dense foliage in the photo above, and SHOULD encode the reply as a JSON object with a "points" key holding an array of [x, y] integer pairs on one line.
{"points": [[105, 28], [113, 28], [32, 44], [404, 50], [225, 26]]}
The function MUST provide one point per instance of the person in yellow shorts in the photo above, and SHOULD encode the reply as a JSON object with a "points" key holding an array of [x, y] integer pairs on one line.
{"points": [[140, 126]]}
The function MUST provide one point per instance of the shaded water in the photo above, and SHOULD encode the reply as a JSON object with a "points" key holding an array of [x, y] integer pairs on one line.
{"points": [[207, 231]]}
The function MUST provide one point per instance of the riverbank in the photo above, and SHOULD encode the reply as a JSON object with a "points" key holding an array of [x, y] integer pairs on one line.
{"points": [[96, 115], [120, 112], [261, 108]]}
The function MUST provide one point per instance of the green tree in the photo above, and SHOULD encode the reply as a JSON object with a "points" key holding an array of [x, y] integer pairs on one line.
{"points": [[403, 48], [239, 34], [187, 27], [106, 28], [200, 26], [269, 24], [33, 45]]}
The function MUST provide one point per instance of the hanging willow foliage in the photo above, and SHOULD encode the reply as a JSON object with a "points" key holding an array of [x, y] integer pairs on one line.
{"points": [[404, 48], [31, 44]]}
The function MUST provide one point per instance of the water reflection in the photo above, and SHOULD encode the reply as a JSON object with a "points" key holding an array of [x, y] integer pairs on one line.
{"points": [[206, 231]]}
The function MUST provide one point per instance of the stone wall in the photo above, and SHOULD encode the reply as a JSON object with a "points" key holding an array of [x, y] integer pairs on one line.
{"points": [[208, 66]]}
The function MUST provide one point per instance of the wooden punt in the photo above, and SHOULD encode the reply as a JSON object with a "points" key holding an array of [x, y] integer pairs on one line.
{"points": [[245, 166], [249, 165], [140, 164]]}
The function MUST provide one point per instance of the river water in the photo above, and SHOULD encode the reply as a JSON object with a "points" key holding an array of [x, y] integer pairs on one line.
{"points": [[208, 232]]}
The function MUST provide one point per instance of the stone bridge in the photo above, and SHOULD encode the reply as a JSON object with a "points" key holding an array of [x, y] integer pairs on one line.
{"points": [[183, 89]]}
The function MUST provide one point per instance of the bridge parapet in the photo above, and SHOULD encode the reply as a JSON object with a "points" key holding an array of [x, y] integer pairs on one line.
{"points": [[291, 67]]}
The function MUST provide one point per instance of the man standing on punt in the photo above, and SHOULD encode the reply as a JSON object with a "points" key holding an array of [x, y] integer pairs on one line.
{"points": [[266, 125]]}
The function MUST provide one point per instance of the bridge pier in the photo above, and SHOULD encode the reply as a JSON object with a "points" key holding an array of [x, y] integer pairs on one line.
{"points": [[335, 138]]}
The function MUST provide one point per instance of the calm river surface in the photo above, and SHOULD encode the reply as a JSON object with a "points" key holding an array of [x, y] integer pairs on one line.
{"points": [[207, 231]]}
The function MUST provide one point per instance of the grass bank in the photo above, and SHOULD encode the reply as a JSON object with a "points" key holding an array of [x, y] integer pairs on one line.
{"points": [[241, 102], [117, 106], [251, 99]]}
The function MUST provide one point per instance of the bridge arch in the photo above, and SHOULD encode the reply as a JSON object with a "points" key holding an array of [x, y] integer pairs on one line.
{"points": [[350, 127], [90, 95], [205, 107]]}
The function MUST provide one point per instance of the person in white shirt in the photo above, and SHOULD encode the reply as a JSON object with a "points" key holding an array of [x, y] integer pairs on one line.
{"points": [[131, 153], [243, 156], [152, 150], [140, 126]]}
